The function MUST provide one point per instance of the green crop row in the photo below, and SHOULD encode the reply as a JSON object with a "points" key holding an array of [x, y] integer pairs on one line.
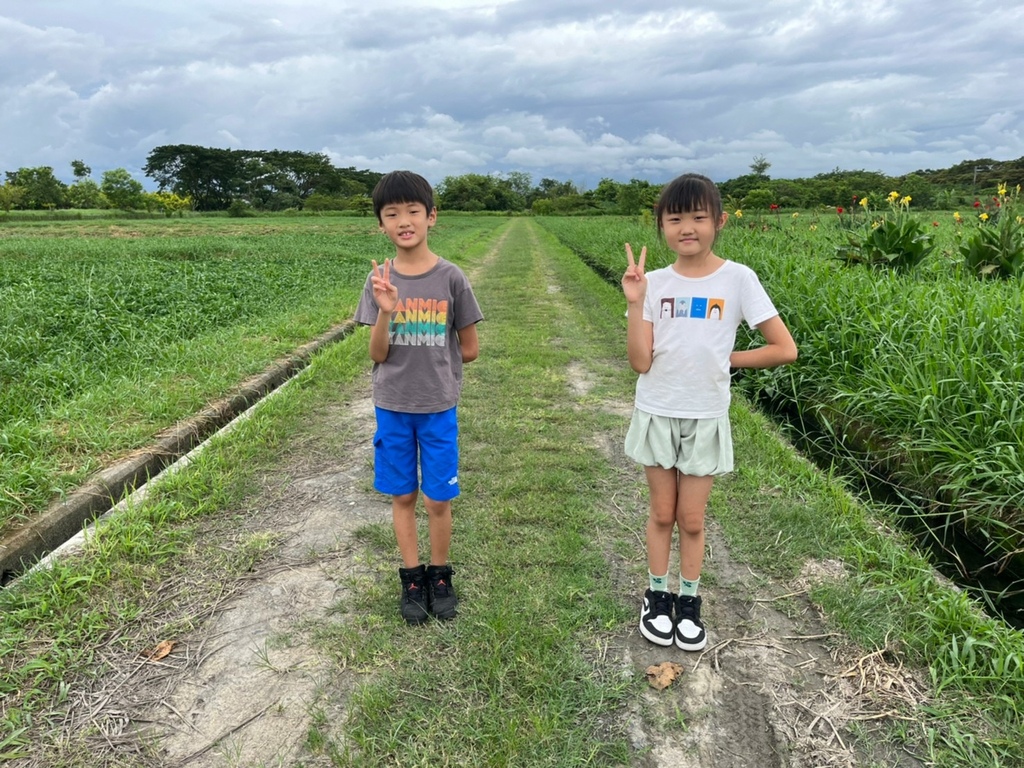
{"points": [[916, 378], [109, 334]]}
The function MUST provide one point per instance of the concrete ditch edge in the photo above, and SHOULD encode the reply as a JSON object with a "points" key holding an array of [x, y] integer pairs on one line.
{"points": [[23, 546]]}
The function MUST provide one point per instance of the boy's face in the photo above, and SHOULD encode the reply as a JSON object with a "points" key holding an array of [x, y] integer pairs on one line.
{"points": [[407, 224]]}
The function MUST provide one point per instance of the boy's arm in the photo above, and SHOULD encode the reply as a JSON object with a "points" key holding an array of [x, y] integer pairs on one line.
{"points": [[779, 347], [385, 294], [469, 343], [380, 340]]}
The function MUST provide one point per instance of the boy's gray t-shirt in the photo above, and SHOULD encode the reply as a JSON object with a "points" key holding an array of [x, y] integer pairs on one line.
{"points": [[423, 371]]}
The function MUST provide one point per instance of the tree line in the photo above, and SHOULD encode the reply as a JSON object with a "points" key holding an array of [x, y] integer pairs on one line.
{"points": [[208, 179]]}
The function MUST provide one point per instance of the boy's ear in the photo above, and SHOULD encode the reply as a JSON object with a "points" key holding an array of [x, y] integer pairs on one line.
{"points": [[432, 217]]}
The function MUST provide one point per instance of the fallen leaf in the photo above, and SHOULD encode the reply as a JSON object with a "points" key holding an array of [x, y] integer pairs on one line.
{"points": [[661, 676], [162, 648]]}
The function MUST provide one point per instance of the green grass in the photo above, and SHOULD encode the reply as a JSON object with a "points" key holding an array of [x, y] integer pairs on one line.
{"points": [[913, 378], [520, 676], [110, 334]]}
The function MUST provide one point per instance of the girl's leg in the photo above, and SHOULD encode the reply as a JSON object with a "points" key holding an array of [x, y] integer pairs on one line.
{"points": [[691, 504], [403, 515], [664, 492]]}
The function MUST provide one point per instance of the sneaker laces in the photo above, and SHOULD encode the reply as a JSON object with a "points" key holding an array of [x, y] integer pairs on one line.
{"points": [[687, 610], [661, 604]]}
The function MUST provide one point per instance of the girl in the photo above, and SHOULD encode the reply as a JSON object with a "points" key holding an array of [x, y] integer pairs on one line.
{"points": [[681, 328]]}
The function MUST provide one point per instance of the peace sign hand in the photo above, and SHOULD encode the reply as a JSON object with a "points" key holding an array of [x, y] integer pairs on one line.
{"points": [[385, 293], [634, 281]]}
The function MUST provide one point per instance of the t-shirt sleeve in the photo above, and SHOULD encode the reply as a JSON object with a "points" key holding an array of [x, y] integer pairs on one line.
{"points": [[367, 310], [466, 310], [757, 305]]}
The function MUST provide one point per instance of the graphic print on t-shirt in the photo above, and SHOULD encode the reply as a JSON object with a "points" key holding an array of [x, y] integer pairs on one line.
{"points": [[419, 323], [696, 307]]}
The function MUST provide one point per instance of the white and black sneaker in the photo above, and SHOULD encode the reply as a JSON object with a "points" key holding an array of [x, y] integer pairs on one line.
{"points": [[656, 617], [690, 634]]}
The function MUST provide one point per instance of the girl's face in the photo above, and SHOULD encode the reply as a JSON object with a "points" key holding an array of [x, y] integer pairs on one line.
{"points": [[691, 235]]}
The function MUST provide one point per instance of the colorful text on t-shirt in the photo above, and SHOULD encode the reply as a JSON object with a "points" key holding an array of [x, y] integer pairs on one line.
{"points": [[419, 323]]}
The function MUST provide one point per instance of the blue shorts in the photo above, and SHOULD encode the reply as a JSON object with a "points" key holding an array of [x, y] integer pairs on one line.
{"points": [[408, 444]]}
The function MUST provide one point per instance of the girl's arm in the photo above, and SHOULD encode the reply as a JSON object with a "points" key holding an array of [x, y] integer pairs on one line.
{"points": [[639, 338], [639, 332], [469, 343], [779, 347]]}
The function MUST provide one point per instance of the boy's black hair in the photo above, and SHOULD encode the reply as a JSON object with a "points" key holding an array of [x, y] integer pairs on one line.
{"points": [[402, 187], [688, 193]]}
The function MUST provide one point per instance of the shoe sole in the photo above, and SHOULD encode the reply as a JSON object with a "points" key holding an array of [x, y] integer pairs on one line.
{"points": [[665, 642], [698, 646]]}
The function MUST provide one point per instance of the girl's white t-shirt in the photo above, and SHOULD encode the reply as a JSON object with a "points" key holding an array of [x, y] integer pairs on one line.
{"points": [[695, 322]]}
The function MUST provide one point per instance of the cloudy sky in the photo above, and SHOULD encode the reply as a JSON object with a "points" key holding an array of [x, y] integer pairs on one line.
{"points": [[560, 89]]}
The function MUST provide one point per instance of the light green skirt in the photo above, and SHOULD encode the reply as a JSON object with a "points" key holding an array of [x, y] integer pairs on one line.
{"points": [[698, 447]]}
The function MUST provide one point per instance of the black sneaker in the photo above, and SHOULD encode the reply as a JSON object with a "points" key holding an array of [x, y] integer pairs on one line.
{"points": [[690, 634], [656, 617], [414, 594], [442, 599]]}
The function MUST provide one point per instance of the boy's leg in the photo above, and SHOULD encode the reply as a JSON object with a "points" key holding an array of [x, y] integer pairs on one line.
{"points": [[439, 465], [656, 611], [403, 517], [439, 524]]}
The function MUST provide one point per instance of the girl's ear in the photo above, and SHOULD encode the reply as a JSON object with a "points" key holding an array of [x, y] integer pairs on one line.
{"points": [[721, 221]]}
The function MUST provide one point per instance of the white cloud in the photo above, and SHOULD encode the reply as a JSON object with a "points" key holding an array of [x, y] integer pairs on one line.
{"points": [[575, 90]]}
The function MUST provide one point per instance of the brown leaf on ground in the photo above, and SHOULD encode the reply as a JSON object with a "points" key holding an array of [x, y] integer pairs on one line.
{"points": [[162, 648], [661, 676]]}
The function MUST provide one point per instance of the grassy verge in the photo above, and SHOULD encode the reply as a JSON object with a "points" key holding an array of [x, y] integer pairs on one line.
{"points": [[520, 678]]}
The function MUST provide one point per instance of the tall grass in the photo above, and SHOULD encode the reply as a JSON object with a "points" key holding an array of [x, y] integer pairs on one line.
{"points": [[919, 376]]}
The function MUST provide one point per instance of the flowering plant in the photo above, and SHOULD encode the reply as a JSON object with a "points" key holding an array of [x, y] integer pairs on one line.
{"points": [[996, 247], [895, 241]]}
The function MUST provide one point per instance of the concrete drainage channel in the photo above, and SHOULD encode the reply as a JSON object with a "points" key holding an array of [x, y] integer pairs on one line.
{"points": [[46, 532]]}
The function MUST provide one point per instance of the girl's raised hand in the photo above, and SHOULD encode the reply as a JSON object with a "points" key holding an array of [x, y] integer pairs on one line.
{"points": [[385, 293], [634, 281]]}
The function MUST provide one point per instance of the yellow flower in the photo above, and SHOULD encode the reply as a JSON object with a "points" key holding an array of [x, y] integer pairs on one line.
{"points": [[1020, 219], [814, 227], [1002, 190], [739, 214], [983, 217], [894, 196], [956, 215], [864, 202], [906, 200], [795, 215]]}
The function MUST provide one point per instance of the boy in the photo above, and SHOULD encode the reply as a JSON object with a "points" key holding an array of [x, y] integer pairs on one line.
{"points": [[423, 316]]}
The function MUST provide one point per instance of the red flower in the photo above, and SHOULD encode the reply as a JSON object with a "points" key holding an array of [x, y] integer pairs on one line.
{"points": [[855, 198], [773, 207], [935, 223], [839, 209], [977, 204]]}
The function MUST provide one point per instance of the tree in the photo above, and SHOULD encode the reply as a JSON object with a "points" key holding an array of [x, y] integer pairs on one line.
{"points": [[121, 190], [80, 169], [42, 188], [760, 167], [10, 196], [85, 193]]}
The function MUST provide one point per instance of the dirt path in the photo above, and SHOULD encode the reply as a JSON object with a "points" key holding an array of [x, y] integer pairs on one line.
{"points": [[243, 688]]}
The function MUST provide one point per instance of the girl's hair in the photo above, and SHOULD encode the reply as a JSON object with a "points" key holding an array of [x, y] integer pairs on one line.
{"points": [[688, 193], [402, 187]]}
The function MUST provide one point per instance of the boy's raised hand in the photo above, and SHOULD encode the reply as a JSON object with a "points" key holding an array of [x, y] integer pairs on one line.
{"points": [[634, 281], [385, 293]]}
